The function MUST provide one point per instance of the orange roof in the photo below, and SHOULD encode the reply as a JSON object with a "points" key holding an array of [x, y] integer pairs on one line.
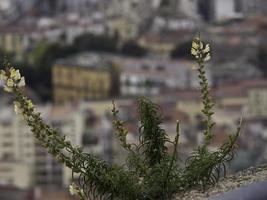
{"points": [[233, 90], [240, 89], [220, 136]]}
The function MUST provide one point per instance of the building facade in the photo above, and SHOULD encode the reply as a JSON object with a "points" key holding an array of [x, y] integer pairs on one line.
{"points": [[24, 163], [17, 143], [152, 76], [69, 122], [17, 150], [85, 76], [15, 39]]}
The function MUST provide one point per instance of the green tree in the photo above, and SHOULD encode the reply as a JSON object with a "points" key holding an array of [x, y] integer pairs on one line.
{"points": [[131, 48], [42, 59], [180, 51], [262, 60], [115, 80], [90, 42]]}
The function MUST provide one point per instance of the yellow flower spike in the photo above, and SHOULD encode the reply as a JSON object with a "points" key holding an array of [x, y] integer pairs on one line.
{"points": [[200, 51]]}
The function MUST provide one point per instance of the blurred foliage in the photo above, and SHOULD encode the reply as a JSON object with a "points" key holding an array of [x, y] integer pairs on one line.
{"points": [[90, 42], [115, 81], [40, 62], [132, 48], [262, 60], [180, 51]]}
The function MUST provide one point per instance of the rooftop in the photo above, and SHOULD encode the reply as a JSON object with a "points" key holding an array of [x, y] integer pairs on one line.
{"points": [[92, 60]]}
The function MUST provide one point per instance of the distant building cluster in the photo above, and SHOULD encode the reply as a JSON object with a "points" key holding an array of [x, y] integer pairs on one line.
{"points": [[94, 76], [84, 84]]}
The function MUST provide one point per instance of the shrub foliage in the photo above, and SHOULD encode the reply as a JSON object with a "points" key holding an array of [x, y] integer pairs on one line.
{"points": [[150, 172]]}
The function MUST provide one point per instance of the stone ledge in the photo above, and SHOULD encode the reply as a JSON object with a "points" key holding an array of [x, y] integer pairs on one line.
{"points": [[243, 178]]}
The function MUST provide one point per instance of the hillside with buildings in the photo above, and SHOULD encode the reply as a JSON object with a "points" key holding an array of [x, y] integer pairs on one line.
{"points": [[77, 56]]}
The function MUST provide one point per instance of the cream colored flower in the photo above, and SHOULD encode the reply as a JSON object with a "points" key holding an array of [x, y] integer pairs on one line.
{"points": [[17, 107], [194, 45], [201, 45], [207, 58], [194, 52], [2, 72], [14, 74], [74, 189], [21, 82], [207, 49], [30, 104], [7, 89], [199, 51], [10, 83], [3, 76]]}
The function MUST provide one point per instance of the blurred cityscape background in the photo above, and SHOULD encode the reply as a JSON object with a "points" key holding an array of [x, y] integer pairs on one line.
{"points": [[78, 55]]}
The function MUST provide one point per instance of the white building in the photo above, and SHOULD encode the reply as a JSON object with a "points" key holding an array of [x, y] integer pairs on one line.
{"points": [[23, 162], [17, 150], [16, 141], [253, 7], [225, 10], [150, 76], [218, 10], [189, 8], [67, 120], [15, 173]]}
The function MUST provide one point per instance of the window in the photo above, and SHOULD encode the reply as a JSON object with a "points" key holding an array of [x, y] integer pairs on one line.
{"points": [[238, 6], [160, 68], [7, 134], [6, 123], [145, 67], [5, 169], [7, 144]]}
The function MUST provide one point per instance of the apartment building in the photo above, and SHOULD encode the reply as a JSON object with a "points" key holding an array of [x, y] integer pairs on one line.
{"points": [[23, 162], [17, 143], [257, 98], [68, 121], [152, 76], [15, 173], [85, 76], [15, 39], [17, 150]]}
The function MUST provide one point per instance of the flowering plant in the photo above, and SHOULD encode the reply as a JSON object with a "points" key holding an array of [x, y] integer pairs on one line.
{"points": [[150, 171]]}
